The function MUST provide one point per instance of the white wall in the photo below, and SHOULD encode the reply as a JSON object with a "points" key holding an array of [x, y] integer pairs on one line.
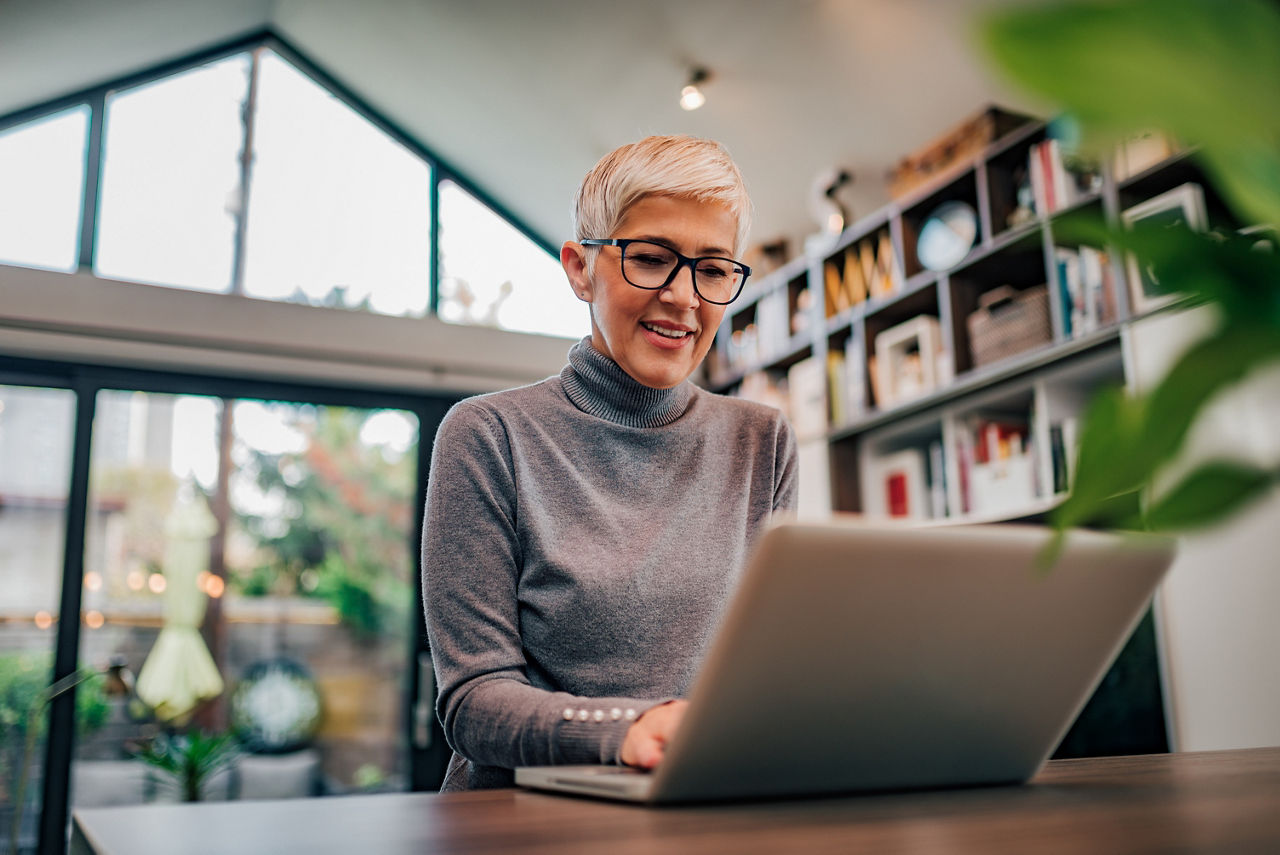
{"points": [[81, 317], [1219, 609]]}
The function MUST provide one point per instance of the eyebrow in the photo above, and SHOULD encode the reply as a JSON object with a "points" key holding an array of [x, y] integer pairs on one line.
{"points": [[705, 252]]}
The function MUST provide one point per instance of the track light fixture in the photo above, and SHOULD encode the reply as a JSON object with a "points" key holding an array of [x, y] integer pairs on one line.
{"points": [[691, 97]]}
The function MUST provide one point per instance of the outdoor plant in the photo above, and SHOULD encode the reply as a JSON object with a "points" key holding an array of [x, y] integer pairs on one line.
{"points": [[1208, 73], [23, 678], [187, 761]]}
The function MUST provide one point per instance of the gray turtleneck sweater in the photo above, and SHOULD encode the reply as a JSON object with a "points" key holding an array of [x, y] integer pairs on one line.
{"points": [[582, 537]]}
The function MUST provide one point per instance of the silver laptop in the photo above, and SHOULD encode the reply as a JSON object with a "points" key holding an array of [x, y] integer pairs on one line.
{"points": [[854, 657]]}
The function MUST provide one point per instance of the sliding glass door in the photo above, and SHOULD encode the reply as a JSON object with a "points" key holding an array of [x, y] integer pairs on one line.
{"points": [[35, 464], [248, 556]]}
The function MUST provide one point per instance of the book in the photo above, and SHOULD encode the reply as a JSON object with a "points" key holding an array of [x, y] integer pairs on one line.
{"points": [[937, 482], [887, 263], [836, 388], [855, 284], [807, 385], [902, 484], [867, 258], [1070, 292], [832, 289], [1058, 460], [855, 374]]}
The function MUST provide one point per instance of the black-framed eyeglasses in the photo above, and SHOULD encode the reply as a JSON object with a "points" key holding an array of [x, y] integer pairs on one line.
{"points": [[652, 266]]}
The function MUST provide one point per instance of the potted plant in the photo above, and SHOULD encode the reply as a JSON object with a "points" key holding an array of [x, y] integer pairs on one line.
{"points": [[186, 762]]}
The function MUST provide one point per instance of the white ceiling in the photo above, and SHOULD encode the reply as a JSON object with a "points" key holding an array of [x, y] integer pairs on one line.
{"points": [[524, 96]]}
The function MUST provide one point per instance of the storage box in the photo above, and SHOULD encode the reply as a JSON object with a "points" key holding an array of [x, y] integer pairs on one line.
{"points": [[961, 143], [1008, 322]]}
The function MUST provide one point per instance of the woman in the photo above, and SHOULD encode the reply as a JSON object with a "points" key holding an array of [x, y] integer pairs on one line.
{"points": [[582, 534]]}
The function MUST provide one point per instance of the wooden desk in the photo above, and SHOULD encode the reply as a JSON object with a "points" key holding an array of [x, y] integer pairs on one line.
{"points": [[1207, 802]]}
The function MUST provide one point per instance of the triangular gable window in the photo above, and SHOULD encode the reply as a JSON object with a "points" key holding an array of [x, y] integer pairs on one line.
{"points": [[329, 208]]}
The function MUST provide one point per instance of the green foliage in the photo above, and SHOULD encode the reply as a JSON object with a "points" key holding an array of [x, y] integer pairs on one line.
{"points": [[187, 761], [347, 517], [23, 677], [1208, 73]]}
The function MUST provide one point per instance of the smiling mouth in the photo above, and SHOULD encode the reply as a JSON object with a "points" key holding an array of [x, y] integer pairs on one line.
{"points": [[665, 332]]}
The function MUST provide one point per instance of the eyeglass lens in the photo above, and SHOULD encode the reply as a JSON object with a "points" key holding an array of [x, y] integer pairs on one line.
{"points": [[649, 265]]}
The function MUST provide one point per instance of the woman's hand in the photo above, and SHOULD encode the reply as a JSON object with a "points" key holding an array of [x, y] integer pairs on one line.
{"points": [[647, 739]]}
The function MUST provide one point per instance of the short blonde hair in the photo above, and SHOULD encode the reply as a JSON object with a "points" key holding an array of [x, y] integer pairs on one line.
{"points": [[680, 166]]}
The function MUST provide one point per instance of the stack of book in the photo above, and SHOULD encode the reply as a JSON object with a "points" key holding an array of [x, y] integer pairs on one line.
{"points": [[995, 464], [1059, 181], [1086, 289]]}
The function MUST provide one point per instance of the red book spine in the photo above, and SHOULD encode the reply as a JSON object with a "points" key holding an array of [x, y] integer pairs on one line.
{"points": [[896, 494]]}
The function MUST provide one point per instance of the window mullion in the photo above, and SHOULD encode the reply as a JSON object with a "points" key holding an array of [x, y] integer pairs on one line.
{"points": [[248, 118], [92, 180], [433, 304]]}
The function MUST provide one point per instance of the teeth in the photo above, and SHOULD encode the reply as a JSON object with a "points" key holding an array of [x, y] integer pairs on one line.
{"points": [[662, 331]]}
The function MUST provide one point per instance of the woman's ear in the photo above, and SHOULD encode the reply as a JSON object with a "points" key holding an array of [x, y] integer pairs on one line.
{"points": [[573, 258]]}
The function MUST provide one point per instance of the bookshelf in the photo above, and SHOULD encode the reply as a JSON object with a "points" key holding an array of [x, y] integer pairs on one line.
{"points": [[953, 392]]}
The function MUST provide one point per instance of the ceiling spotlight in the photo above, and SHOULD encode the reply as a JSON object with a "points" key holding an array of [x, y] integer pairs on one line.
{"points": [[691, 97]]}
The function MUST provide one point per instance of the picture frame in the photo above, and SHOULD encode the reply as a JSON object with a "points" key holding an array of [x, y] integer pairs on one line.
{"points": [[1183, 204], [907, 360]]}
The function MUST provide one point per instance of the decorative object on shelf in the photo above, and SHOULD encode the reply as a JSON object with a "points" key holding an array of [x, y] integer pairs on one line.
{"points": [[276, 707], [957, 145], [1008, 322], [1024, 211], [807, 392], [1180, 207], [767, 256], [758, 386], [802, 312], [946, 237], [826, 207], [1141, 151], [907, 359]]}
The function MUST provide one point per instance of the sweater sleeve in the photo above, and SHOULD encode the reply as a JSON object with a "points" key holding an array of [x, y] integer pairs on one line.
{"points": [[785, 468], [471, 564]]}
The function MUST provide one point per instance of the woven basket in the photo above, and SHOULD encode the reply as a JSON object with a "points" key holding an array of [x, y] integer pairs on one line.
{"points": [[1009, 322]]}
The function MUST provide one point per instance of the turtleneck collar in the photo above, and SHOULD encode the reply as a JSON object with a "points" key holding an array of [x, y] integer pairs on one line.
{"points": [[598, 386]]}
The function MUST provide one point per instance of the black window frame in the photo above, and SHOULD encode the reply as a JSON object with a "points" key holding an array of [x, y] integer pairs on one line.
{"points": [[95, 97], [427, 758]]}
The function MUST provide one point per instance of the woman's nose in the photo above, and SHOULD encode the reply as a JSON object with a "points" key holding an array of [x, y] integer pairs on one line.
{"points": [[680, 290]]}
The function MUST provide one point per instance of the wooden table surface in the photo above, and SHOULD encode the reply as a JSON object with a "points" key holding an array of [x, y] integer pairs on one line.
{"points": [[1219, 802]]}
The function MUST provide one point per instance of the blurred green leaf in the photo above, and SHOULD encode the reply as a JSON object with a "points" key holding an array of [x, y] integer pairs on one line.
{"points": [[1208, 495], [1204, 70], [1211, 365], [1112, 460]]}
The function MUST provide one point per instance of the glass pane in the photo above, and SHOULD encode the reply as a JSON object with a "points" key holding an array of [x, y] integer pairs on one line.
{"points": [[41, 188], [339, 213], [171, 178], [36, 428], [493, 275], [272, 612]]}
